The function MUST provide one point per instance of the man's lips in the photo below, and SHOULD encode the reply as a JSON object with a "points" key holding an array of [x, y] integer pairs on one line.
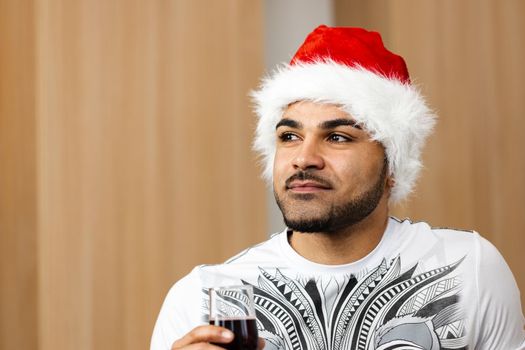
{"points": [[306, 186], [306, 182]]}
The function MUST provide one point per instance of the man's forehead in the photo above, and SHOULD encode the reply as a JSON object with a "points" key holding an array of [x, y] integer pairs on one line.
{"points": [[323, 115], [307, 103]]}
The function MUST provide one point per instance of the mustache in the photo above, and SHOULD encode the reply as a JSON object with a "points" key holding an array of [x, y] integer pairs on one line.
{"points": [[306, 175]]}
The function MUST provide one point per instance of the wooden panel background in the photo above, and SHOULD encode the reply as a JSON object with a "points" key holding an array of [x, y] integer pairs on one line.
{"points": [[18, 261], [468, 58], [126, 132]]}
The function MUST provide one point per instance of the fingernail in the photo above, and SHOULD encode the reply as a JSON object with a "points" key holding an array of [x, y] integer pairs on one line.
{"points": [[227, 335]]}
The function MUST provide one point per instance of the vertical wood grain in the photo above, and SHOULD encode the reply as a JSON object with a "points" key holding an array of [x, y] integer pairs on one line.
{"points": [[125, 148], [18, 260], [146, 169], [467, 56]]}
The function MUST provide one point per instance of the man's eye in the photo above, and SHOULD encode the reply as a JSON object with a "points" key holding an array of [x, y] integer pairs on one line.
{"points": [[287, 137], [339, 138]]}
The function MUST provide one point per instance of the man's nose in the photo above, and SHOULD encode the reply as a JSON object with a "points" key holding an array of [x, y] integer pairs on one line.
{"points": [[308, 156]]}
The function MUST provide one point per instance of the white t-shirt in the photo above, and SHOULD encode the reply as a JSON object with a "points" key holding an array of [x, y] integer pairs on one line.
{"points": [[420, 288]]}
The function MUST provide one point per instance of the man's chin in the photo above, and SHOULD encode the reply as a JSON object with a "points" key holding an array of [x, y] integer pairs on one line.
{"points": [[314, 223], [307, 226]]}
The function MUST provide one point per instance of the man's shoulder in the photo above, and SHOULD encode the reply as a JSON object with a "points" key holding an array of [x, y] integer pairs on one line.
{"points": [[260, 254], [259, 251], [425, 230], [437, 245]]}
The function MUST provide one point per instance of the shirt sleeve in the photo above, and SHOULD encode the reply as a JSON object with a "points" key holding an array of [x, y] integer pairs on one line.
{"points": [[180, 312], [501, 322]]}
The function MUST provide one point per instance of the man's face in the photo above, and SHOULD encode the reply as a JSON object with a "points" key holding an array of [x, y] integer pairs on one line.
{"points": [[328, 174]]}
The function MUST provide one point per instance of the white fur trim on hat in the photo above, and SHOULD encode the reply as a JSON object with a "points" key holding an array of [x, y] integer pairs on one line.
{"points": [[393, 113]]}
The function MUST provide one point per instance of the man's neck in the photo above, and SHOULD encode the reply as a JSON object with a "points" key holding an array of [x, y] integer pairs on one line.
{"points": [[345, 246]]}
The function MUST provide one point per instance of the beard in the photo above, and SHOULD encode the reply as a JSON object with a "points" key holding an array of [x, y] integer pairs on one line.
{"points": [[338, 216]]}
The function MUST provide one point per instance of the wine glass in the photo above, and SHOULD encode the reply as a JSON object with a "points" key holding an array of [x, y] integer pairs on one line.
{"points": [[233, 308]]}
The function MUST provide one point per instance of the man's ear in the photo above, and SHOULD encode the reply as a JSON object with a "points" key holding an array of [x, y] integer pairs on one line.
{"points": [[390, 182]]}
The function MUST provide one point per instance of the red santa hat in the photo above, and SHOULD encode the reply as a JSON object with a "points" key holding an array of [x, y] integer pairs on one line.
{"points": [[351, 67]]}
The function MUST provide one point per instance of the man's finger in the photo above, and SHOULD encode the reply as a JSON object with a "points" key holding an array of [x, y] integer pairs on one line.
{"points": [[260, 343], [204, 334]]}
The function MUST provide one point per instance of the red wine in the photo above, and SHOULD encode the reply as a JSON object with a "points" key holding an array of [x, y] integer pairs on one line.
{"points": [[245, 331]]}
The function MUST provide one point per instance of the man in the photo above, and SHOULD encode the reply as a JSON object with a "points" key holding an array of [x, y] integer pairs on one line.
{"points": [[341, 130]]}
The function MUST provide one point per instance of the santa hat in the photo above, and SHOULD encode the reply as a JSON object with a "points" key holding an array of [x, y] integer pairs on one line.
{"points": [[350, 67]]}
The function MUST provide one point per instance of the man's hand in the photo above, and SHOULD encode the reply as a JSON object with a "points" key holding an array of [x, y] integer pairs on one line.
{"points": [[201, 337]]}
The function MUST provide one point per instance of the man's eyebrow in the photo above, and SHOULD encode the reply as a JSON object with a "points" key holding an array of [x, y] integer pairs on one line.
{"points": [[334, 123], [290, 123]]}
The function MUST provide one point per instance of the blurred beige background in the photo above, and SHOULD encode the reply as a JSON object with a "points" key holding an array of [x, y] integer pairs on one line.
{"points": [[125, 133]]}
